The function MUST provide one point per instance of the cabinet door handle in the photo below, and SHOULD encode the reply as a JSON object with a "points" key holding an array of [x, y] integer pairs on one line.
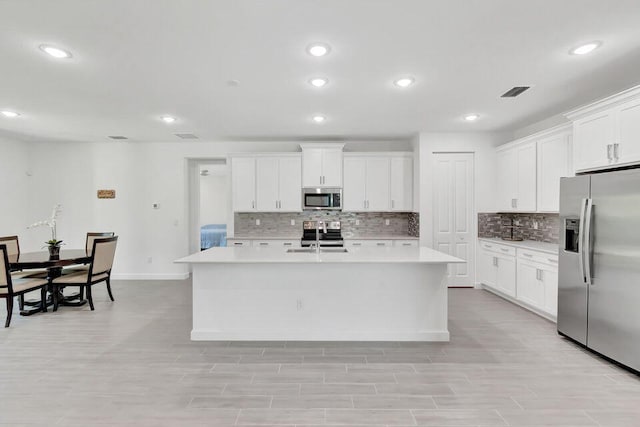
{"points": [[253, 204], [264, 244], [615, 151], [364, 204], [356, 244], [381, 244], [237, 243], [392, 204], [555, 261], [609, 151], [528, 255], [488, 246], [287, 243], [495, 261], [504, 250]]}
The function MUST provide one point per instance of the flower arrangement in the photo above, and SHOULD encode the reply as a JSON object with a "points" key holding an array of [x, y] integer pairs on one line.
{"points": [[51, 223]]}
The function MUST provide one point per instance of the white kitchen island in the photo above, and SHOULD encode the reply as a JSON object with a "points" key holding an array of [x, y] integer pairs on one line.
{"points": [[366, 294]]}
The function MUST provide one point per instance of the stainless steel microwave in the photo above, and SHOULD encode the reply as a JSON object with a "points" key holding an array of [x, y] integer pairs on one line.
{"points": [[322, 198]]}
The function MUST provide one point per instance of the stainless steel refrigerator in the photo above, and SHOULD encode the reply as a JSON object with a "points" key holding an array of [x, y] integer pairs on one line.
{"points": [[599, 265]]}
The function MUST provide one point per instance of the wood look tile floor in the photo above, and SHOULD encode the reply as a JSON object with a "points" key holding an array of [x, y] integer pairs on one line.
{"points": [[131, 363]]}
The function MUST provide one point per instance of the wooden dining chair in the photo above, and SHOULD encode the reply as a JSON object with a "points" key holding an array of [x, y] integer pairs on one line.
{"points": [[11, 287], [102, 254], [91, 236], [13, 248]]}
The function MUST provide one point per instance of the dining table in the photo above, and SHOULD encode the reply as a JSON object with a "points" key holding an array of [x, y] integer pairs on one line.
{"points": [[53, 266]]}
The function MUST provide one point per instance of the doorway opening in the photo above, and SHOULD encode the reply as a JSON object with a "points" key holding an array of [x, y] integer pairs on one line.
{"points": [[210, 204]]}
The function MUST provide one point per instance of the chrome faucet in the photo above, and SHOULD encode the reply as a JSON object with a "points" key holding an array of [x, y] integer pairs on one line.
{"points": [[324, 227]]}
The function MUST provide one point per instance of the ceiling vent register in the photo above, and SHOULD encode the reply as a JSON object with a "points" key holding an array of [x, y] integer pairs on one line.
{"points": [[515, 91], [186, 135]]}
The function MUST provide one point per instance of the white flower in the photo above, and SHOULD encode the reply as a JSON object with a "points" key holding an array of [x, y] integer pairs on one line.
{"points": [[51, 222]]}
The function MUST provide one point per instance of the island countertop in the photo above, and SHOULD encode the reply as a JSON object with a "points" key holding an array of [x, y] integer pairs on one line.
{"points": [[266, 255]]}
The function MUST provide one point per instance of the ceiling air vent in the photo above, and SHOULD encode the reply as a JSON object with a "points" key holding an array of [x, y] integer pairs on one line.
{"points": [[514, 91], [186, 135], [117, 137]]}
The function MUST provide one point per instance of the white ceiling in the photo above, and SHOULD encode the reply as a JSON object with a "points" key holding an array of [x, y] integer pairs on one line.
{"points": [[134, 61]]}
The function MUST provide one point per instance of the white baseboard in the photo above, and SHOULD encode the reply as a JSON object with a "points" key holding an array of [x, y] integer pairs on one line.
{"points": [[316, 335], [148, 276]]}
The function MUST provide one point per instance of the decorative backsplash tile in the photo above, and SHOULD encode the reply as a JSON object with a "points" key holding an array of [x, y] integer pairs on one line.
{"points": [[370, 224], [495, 225]]}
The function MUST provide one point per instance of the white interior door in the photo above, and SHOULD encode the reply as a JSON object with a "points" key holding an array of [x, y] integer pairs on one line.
{"points": [[453, 213]]}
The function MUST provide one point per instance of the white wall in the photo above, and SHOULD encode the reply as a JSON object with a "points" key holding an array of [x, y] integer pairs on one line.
{"points": [[14, 183], [483, 147]]}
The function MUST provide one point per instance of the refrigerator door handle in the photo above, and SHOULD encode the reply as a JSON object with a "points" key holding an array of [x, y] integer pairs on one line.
{"points": [[587, 242], [581, 234]]}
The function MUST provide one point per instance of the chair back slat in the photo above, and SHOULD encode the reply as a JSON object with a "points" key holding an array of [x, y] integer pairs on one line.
{"points": [[103, 253], [13, 247], [5, 275], [91, 236]]}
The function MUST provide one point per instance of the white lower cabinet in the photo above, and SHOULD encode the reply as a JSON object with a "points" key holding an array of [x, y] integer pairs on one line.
{"points": [[525, 276], [275, 243], [367, 243], [406, 243]]}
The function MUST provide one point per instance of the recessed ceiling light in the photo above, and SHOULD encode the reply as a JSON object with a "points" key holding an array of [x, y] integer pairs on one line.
{"points": [[585, 48], [56, 52], [319, 118], [10, 114], [168, 119], [319, 81], [472, 117], [318, 49], [404, 82]]}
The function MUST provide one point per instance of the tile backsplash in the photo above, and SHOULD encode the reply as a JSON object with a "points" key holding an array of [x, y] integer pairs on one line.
{"points": [[370, 224], [548, 225]]}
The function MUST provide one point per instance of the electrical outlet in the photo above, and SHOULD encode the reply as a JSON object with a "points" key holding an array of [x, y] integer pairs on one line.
{"points": [[257, 221], [293, 222], [357, 222], [387, 222], [535, 225]]}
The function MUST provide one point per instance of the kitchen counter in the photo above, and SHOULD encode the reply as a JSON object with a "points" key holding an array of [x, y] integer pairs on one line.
{"points": [[366, 294], [258, 255], [550, 248], [379, 237]]}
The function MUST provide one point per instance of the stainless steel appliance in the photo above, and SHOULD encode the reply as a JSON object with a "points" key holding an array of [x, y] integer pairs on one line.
{"points": [[325, 233], [599, 264], [321, 198]]}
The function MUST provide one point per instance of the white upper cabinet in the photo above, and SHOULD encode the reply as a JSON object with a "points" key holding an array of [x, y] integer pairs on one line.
{"points": [[290, 185], [366, 183], [267, 183], [529, 171], [606, 134], [243, 184], [401, 185], [322, 165], [627, 148], [553, 164], [517, 178], [354, 193]]}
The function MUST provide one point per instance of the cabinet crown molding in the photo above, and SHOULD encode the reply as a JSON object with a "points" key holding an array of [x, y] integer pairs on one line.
{"points": [[604, 104], [378, 154], [307, 145], [543, 134], [274, 154]]}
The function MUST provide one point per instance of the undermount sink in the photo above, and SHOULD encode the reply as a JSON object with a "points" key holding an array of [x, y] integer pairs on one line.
{"points": [[313, 250]]}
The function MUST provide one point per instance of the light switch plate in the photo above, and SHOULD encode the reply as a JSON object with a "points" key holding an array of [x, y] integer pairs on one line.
{"points": [[258, 221], [387, 222], [357, 222], [293, 222]]}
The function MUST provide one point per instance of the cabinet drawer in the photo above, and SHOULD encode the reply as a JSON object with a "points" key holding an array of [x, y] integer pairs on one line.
{"points": [[498, 248], [276, 243], [406, 243], [368, 243], [238, 242], [540, 257]]}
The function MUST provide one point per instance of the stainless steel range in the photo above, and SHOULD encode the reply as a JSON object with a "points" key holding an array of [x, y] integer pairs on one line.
{"points": [[325, 233]]}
